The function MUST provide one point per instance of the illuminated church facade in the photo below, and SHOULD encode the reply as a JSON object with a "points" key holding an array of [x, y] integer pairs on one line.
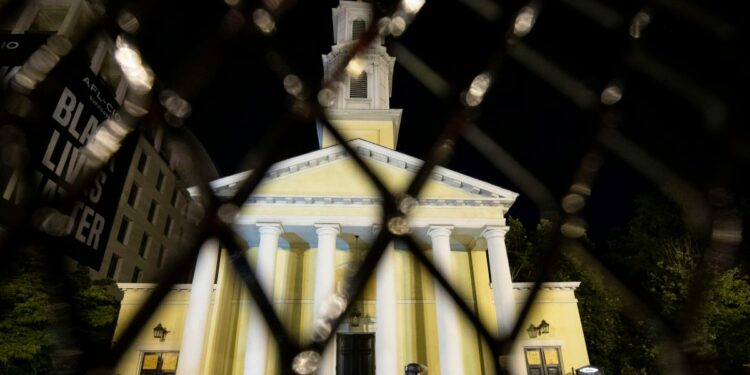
{"points": [[310, 222]]}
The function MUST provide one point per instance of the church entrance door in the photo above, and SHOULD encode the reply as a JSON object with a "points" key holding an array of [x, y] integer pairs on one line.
{"points": [[355, 354]]}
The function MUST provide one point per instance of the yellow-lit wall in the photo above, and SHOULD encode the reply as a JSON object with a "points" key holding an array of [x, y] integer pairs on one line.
{"points": [[171, 314], [375, 131], [293, 301]]}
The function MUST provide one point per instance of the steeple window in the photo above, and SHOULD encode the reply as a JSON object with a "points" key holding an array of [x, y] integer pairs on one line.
{"points": [[358, 29], [358, 86]]}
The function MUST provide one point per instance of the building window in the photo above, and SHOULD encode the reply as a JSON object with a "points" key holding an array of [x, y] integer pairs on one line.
{"points": [[143, 249], [142, 162], [122, 234], [543, 361], [358, 29], [133, 196], [161, 363], [114, 261], [160, 257], [175, 194], [137, 273], [152, 212], [168, 226], [358, 86], [159, 181]]}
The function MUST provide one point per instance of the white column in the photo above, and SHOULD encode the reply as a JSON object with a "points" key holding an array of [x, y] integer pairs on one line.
{"points": [[194, 331], [449, 332], [502, 290], [325, 281], [502, 285], [256, 350], [386, 337]]}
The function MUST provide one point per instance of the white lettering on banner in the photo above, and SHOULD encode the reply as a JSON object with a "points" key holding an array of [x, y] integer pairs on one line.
{"points": [[68, 114], [96, 193], [89, 225], [9, 45], [70, 161], [102, 104]]}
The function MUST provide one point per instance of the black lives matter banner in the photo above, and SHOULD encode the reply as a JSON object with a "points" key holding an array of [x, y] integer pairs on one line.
{"points": [[68, 108]]}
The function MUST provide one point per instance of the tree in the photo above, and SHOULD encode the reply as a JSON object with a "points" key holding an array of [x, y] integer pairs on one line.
{"points": [[25, 316], [656, 253], [29, 304], [659, 257]]}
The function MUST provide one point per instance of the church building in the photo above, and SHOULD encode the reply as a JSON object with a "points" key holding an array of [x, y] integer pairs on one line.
{"points": [[310, 222]]}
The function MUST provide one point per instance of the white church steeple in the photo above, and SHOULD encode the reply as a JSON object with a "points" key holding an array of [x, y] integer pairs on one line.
{"points": [[361, 108]]}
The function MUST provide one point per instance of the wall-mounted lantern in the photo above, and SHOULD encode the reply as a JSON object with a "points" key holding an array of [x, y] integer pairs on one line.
{"points": [[354, 317], [160, 332], [541, 329]]}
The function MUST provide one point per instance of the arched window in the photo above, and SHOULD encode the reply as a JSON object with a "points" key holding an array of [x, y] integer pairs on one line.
{"points": [[358, 29], [358, 86]]}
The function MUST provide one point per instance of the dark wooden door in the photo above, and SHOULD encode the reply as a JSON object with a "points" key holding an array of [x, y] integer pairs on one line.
{"points": [[355, 354]]}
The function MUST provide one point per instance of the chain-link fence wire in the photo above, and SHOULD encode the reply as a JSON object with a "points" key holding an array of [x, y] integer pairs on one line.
{"points": [[711, 208]]}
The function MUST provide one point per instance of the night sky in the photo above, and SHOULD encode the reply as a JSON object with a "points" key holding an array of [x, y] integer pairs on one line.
{"points": [[669, 107]]}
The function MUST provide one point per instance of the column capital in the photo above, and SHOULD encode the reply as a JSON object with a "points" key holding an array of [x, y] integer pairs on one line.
{"points": [[439, 230], [492, 231], [333, 229], [270, 228]]}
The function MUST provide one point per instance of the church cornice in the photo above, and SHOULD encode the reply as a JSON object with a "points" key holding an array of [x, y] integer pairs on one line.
{"points": [[366, 201], [559, 285], [484, 192]]}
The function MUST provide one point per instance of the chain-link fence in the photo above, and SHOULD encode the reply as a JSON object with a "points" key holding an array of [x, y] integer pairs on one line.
{"points": [[647, 84]]}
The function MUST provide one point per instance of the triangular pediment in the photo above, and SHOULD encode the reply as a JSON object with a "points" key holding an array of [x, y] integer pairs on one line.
{"points": [[331, 173]]}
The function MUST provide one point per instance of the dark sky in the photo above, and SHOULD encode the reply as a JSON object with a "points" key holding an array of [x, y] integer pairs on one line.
{"points": [[669, 105]]}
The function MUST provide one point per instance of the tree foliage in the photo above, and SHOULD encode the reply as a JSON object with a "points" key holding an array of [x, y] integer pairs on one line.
{"points": [[25, 317], [658, 257], [30, 302]]}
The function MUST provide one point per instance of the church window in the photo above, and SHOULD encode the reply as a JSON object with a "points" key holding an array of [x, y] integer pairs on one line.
{"points": [[358, 29], [162, 363], [358, 86], [543, 361]]}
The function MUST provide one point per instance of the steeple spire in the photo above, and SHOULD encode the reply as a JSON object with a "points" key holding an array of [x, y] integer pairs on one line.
{"points": [[361, 108]]}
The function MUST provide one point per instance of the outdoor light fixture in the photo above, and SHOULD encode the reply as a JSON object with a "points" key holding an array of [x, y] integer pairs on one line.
{"points": [[354, 318], [160, 332], [541, 329]]}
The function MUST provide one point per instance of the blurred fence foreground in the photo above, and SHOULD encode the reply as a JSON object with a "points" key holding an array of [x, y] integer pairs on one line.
{"points": [[354, 258]]}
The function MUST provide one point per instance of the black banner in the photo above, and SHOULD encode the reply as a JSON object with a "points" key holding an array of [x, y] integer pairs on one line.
{"points": [[16, 48], [68, 108]]}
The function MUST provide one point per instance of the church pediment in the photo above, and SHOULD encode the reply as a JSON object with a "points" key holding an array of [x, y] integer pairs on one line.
{"points": [[331, 175]]}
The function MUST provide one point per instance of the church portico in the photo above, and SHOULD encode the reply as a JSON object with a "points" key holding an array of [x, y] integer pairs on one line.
{"points": [[394, 293]]}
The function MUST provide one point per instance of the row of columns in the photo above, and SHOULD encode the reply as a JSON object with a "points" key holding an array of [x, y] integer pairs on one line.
{"points": [[448, 317]]}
